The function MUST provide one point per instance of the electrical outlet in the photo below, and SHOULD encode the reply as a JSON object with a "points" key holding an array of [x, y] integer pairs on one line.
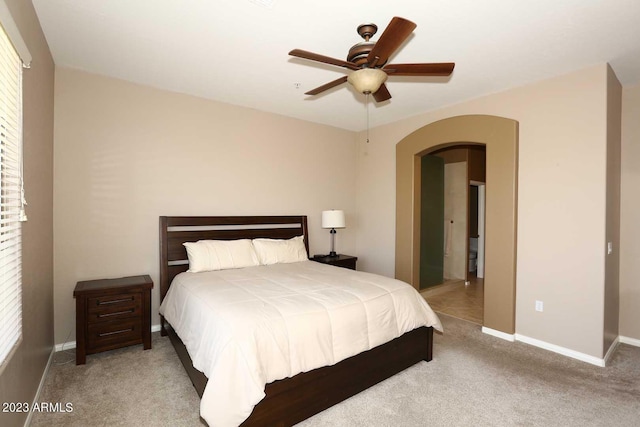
{"points": [[539, 306]]}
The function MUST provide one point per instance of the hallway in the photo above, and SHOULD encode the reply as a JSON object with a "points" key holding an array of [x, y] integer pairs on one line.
{"points": [[456, 299]]}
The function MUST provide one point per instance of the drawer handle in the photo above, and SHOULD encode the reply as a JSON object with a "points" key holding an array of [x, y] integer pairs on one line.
{"points": [[115, 314], [115, 301], [106, 334]]}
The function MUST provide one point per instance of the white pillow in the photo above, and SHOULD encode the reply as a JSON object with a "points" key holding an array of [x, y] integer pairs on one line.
{"points": [[208, 255], [274, 251]]}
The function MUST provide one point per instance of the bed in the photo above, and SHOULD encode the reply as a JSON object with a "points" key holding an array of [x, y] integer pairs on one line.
{"points": [[292, 399]]}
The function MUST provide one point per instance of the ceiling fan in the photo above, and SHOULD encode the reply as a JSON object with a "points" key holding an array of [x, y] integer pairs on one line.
{"points": [[368, 61]]}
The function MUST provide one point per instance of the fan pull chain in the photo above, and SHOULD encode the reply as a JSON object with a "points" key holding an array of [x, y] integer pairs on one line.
{"points": [[367, 110]]}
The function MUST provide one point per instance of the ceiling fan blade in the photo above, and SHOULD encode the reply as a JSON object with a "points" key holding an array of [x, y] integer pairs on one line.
{"points": [[324, 59], [382, 94], [438, 69], [393, 36], [327, 86]]}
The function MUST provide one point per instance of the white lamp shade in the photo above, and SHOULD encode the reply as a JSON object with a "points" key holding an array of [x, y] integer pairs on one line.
{"points": [[333, 219]]}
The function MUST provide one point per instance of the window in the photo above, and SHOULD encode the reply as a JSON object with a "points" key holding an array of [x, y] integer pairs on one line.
{"points": [[11, 196]]}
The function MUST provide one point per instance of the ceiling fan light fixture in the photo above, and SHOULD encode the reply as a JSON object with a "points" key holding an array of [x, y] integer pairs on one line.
{"points": [[367, 80]]}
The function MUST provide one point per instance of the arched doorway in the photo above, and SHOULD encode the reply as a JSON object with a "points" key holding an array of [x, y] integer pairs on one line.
{"points": [[500, 136]]}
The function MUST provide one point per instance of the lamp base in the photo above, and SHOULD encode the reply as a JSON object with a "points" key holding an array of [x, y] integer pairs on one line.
{"points": [[333, 254]]}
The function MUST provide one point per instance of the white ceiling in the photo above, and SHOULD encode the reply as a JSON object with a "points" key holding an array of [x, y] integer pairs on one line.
{"points": [[236, 51]]}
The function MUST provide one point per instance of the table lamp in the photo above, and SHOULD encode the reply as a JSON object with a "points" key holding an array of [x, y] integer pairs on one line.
{"points": [[333, 219]]}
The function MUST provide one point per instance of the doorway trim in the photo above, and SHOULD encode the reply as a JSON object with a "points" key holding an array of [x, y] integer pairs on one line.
{"points": [[481, 233], [500, 136]]}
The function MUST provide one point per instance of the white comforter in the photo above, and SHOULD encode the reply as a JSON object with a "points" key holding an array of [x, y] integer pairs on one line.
{"points": [[247, 327]]}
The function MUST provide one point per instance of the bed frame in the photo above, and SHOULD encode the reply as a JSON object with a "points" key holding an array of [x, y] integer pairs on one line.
{"points": [[294, 399]]}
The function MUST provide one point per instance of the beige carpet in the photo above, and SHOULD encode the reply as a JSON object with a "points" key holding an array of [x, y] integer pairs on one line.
{"points": [[474, 379]]}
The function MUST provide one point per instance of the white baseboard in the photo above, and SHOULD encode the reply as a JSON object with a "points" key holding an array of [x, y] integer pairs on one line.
{"points": [[72, 344], [36, 398], [631, 341], [562, 350], [498, 334], [65, 346]]}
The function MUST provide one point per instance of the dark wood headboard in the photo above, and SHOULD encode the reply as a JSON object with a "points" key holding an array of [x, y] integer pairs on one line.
{"points": [[176, 230]]}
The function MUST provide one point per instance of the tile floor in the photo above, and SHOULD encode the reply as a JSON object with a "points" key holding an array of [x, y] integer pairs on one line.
{"points": [[457, 299]]}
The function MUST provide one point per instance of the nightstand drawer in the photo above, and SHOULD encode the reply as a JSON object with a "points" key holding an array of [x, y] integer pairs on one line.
{"points": [[107, 335], [111, 307]]}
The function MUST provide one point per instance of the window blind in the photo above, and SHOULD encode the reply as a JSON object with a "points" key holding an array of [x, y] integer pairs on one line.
{"points": [[11, 197]]}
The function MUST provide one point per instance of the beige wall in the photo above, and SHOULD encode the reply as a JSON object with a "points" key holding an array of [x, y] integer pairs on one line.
{"points": [[630, 212], [19, 380], [561, 201], [125, 154]]}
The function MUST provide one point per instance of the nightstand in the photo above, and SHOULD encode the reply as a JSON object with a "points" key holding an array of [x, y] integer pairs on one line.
{"points": [[346, 261], [112, 313]]}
